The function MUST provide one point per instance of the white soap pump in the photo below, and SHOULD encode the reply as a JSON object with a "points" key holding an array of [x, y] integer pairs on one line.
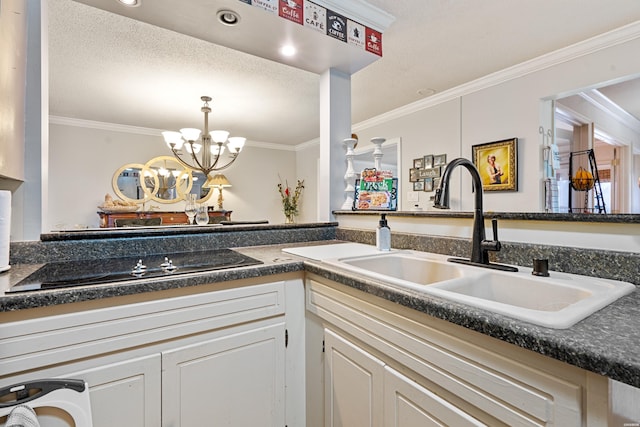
{"points": [[383, 235]]}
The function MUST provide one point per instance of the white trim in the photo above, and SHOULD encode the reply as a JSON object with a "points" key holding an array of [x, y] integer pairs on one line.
{"points": [[92, 124], [308, 144], [585, 47], [610, 108], [137, 130]]}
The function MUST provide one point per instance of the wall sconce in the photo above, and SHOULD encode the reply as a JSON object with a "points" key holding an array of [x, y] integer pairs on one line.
{"points": [[218, 181]]}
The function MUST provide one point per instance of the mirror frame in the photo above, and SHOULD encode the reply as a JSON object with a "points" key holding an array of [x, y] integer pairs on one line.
{"points": [[181, 192], [116, 187], [150, 193]]}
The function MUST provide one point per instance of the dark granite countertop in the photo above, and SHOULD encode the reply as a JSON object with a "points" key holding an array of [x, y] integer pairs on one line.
{"points": [[516, 216], [607, 342], [172, 230], [274, 262]]}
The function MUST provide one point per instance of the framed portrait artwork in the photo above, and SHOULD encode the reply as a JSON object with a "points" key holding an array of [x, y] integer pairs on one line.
{"points": [[497, 163]]}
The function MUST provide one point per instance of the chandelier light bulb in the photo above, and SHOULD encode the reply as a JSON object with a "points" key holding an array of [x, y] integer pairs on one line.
{"points": [[219, 136], [174, 138], [190, 134], [236, 143]]}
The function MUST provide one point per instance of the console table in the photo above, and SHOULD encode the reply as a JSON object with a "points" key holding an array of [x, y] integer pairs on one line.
{"points": [[133, 219]]}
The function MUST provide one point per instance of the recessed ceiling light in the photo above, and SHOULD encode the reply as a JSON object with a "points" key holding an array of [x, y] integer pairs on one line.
{"points": [[288, 50], [426, 92], [228, 17], [130, 3]]}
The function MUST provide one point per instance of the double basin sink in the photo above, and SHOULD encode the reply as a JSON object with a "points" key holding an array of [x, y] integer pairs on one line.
{"points": [[558, 301]]}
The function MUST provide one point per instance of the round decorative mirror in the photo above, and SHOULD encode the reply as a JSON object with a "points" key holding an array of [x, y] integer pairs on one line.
{"points": [[127, 185], [162, 179], [166, 180]]}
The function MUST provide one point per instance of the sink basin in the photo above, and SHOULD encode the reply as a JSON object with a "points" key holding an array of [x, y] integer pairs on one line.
{"points": [[521, 292], [558, 301], [405, 268]]}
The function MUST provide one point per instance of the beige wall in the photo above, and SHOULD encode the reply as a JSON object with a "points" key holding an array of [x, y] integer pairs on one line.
{"points": [[83, 161], [513, 103]]}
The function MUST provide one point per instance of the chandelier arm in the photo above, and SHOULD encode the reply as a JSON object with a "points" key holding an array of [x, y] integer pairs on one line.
{"points": [[182, 162], [195, 158], [215, 162], [233, 159]]}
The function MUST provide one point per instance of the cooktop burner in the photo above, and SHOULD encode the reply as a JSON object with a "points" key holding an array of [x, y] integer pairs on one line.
{"points": [[80, 273]]}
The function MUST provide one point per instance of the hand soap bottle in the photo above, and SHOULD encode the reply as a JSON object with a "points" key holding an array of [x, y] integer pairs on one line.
{"points": [[383, 235]]}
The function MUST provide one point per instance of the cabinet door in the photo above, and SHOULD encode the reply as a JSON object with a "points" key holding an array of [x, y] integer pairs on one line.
{"points": [[353, 384], [408, 404], [234, 380], [125, 393]]}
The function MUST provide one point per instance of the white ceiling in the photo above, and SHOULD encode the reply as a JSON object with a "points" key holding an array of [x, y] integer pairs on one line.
{"points": [[110, 68]]}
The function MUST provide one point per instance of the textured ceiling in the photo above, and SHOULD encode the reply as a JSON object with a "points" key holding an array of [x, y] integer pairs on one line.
{"points": [[110, 68]]}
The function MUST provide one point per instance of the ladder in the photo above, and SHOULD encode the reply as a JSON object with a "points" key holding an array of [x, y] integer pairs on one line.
{"points": [[599, 205]]}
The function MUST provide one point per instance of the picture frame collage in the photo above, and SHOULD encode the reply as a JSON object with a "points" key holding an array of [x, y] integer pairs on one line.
{"points": [[426, 172]]}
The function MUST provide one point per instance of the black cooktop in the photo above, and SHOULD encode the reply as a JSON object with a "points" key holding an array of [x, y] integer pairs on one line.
{"points": [[81, 273]]}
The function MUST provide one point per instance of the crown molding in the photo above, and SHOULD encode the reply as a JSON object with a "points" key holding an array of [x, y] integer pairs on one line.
{"points": [[137, 130], [585, 47], [92, 124], [611, 109], [305, 145]]}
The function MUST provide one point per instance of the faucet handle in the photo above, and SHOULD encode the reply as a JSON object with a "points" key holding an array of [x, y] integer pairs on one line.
{"points": [[492, 245], [494, 225]]}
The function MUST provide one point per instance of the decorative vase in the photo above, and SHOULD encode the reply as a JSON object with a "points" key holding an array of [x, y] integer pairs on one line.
{"points": [[289, 218]]}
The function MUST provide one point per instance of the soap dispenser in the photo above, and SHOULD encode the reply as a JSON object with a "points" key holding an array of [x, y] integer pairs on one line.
{"points": [[383, 235]]}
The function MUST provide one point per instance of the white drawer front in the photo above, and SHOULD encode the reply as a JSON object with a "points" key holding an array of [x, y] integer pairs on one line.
{"points": [[39, 342]]}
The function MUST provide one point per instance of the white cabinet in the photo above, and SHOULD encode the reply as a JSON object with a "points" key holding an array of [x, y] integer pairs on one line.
{"points": [[215, 357], [431, 372], [124, 393], [360, 390], [409, 404], [235, 380], [353, 384]]}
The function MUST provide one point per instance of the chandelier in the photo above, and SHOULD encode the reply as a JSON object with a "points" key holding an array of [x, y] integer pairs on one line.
{"points": [[203, 150]]}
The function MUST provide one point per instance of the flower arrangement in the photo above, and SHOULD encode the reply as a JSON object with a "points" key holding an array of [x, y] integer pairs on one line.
{"points": [[289, 199]]}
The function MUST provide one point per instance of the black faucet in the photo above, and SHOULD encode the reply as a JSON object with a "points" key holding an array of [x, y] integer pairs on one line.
{"points": [[480, 246]]}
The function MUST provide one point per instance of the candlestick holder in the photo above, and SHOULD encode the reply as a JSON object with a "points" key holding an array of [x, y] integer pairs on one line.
{"points": [[350, 175]]}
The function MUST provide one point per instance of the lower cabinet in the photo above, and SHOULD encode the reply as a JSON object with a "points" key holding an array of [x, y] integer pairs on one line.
{"points": [[124, 393], [353, 384], [361, 391], [408, 404], [384, 365], [236, 380], [209, 359]]}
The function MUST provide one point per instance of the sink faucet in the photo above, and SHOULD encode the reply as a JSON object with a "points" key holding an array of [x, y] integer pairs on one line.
{"points": [[480, 246]]}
